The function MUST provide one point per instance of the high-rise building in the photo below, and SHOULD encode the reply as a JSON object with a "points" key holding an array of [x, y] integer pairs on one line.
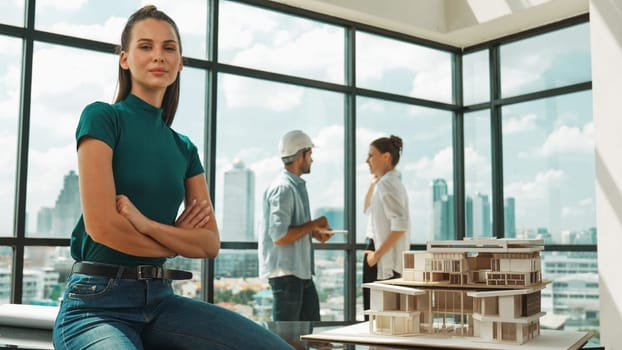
{"points": [[442, 211], [238, 205], [468, 217], [509, 217], [443, 222], [60, 220], [482, 226], [439, 189]]}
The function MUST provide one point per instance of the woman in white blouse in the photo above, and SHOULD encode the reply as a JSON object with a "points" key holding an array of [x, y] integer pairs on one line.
{"points": [[388, 223]]}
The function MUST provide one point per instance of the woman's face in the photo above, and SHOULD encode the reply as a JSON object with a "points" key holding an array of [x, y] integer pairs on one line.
{"points": [[379, 163], [153, 56]]}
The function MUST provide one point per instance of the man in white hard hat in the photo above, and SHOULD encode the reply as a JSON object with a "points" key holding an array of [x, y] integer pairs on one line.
{"points": [[285, 247]]}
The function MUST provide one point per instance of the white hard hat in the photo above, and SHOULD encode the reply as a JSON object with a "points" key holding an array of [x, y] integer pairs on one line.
{"points": [[294, 141]]}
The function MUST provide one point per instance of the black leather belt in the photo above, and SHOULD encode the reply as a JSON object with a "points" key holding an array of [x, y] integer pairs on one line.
{"points": [[140, 272]]}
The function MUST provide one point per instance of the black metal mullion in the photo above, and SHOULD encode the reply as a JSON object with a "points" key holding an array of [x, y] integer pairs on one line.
{"points": [[350, 174], [19, 224], [458, 149], [496, 144], [210, 136]]}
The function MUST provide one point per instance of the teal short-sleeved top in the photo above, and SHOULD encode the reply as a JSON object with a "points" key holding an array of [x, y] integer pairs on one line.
{"points": [[150, 164]]}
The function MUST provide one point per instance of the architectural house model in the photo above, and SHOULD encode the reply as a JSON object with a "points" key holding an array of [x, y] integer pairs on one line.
{"points": [[488, 289]]}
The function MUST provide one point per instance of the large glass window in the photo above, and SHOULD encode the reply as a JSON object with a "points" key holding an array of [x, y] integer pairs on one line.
{"points": [[425, 161], [476, 77], [478, 175], [10, 72], [403, 68], [267, 40], [248, 158], [548, 167], [65, 80], [97, 20], [546, 61]]}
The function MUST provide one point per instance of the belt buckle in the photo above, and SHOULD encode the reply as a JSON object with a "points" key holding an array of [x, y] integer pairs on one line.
{"points": [[148, 272]]}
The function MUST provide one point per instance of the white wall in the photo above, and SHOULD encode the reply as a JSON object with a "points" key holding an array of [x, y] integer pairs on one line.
{"points": [[606, 41]]}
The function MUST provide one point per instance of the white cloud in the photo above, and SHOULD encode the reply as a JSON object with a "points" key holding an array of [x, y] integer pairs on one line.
{"points": [[330, 145], [428, 85], [9, 113], [523, 155], [240, 23], [52, 65], [530, 68], [426, 65], [189, 15], [366, 136], [477, 168], [566, 139], [8, 145], [439, 166], [372, 105], [586, 202], [248, 154], [373, 60], [299, 55], [109, 32], [247, 93], [11, 47], [91, 78], [582, 207], [9, 105], [536, 188], [520, 124], [569, 212], [63, 5], [474, 161]]}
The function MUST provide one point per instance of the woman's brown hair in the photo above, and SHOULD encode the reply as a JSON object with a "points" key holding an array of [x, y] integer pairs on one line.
{"points": [[171, 96], [392, 144]]}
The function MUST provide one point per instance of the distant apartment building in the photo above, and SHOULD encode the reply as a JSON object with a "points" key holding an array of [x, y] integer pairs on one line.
{"points": [[509, 216], [575, 290], [238, 211], [59, 221], [442, 211]]}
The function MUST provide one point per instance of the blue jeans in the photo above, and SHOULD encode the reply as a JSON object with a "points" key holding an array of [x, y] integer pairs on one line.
{"points": [[111, 313], [294, 299]]}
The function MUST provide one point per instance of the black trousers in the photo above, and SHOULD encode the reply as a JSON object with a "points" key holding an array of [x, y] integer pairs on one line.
{"points": [[370, 274]]}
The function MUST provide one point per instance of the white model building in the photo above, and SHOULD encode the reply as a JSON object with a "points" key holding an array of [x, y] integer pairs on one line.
{"points": [[483, 288]]}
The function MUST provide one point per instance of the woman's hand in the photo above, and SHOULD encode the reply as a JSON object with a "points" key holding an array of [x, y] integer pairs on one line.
{"points": [[196, 215], [126, 208], [370, 255]]}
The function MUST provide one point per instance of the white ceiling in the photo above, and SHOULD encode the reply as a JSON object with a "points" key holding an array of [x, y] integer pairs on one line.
{"points": [[458, 23]]}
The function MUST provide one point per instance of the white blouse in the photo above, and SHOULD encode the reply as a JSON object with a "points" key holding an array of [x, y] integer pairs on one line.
{"points": [[388, 212]]}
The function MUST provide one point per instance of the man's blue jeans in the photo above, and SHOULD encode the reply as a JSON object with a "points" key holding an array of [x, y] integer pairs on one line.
{"points": [[294, 299], [104, 313]]}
